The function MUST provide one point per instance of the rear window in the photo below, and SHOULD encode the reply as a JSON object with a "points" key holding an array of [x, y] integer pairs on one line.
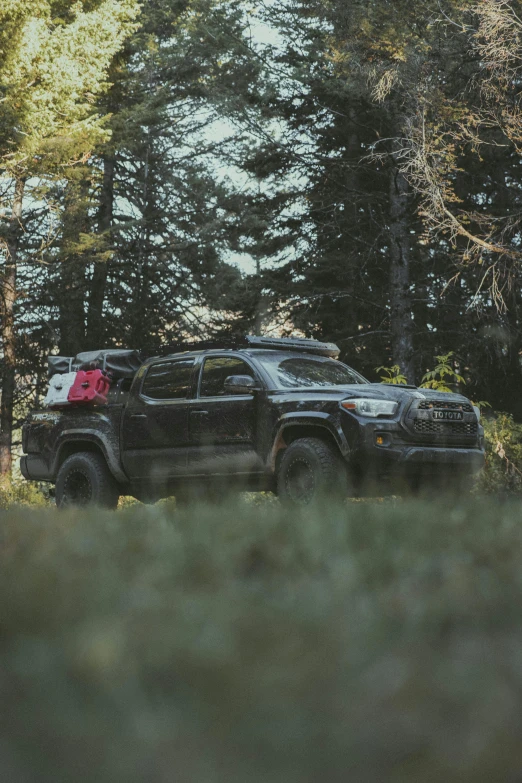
{"points": [[309, 372]]}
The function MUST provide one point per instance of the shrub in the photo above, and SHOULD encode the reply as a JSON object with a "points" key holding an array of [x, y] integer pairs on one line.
{"points": [[503, 470], [21, 492], [361, 642]]}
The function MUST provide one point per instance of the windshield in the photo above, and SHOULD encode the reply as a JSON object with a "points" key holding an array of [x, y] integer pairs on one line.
{"points": [[306, 371]]}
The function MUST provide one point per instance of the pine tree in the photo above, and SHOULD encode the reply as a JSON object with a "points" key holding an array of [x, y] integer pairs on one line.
{"points": [[54, 58], [125, 239], [346, 85], [158, 221]]}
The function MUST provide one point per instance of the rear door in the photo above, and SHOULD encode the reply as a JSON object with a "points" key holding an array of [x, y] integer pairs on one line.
{"points": [[155, 433], [223, 428]]}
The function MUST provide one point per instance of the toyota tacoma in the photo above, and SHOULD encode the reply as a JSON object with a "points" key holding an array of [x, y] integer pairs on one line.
{"points": [[267, 414]]}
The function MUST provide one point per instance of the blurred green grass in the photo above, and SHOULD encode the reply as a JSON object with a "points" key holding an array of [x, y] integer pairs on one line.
{"points": [[246, 643]]}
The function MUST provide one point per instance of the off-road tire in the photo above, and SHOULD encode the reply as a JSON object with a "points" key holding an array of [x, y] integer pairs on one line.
{"points": [[85, 480], [310, 469]]}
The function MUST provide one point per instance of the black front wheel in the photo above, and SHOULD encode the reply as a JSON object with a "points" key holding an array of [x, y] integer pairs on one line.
{"points": [[85, 480], [311, 469]]}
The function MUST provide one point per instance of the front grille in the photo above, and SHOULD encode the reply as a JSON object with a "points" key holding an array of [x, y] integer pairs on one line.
{"points": [[459, 406], [445, 427]]}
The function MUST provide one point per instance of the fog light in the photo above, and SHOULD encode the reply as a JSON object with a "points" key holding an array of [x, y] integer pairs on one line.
{"points": [[382, 439], [379, 440]]}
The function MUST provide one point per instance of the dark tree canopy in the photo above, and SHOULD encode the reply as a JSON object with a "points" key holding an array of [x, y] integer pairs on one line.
{"points": [[362, 158]]}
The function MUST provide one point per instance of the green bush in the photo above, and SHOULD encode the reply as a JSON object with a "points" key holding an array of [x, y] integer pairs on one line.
{"points": [[23, 492], [503, 470], [365, 642]]}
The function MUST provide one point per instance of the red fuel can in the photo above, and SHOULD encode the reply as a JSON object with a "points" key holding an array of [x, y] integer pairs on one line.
{"points": [[89, 387]]}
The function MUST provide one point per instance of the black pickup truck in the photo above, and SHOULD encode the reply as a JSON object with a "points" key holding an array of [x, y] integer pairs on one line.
{"points": [[270, 414]]}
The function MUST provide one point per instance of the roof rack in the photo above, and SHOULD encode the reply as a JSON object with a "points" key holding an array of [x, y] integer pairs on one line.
{"points": [[252, 341], [185, 346], [294, 344]]}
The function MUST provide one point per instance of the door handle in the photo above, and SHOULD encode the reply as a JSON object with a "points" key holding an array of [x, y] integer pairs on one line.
{"points": [[199, 413], [138, 415]]}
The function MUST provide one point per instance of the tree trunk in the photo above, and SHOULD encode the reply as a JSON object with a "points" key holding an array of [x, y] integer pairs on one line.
{"points": [[509, 389], [401, 322], [352, 315], [95, 330], [8, 331], [72, 287], [139, 332]]}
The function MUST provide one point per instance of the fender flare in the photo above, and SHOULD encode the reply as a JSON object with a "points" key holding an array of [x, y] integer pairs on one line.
{"points": [[110, 454], [315, 419]]}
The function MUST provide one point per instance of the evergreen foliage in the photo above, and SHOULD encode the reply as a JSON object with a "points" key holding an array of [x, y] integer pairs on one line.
{"points": [[352, 152], [364, 266], [54, 58]]}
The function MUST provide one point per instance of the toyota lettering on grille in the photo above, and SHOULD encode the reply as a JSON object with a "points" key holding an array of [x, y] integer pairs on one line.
{"points": [[447, 415]]}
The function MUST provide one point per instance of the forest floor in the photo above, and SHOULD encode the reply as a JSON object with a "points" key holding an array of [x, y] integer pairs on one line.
{"points": [[247, 644]]}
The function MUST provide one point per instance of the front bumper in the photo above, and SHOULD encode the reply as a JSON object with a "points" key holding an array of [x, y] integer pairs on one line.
{"points": [[398, 454], [470, 460]]}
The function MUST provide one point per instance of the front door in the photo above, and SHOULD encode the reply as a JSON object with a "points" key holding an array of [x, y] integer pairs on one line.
{"points": [[222, 427], [155, 433]]}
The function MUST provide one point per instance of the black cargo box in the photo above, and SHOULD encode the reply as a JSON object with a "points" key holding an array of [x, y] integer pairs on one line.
{"points": [[119, 362], [57, 365]]}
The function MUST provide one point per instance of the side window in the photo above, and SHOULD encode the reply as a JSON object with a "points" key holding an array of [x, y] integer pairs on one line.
{"points": [[168, 380], [216, 370]]}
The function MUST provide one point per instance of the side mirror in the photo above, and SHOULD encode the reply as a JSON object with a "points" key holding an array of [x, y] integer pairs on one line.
{"points": [[240, 384]]}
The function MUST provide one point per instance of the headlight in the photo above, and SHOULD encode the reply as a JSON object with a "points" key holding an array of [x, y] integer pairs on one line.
{"points": [[477, 412], [371, 408]]}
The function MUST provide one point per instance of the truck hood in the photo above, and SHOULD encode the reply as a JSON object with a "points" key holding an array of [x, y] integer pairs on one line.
{"points": [[378, 391], [388, 391]]}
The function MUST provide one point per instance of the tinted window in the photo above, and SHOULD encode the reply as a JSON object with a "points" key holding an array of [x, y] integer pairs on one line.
{"points": [[303, 371], [216, 370], [168, 380]]}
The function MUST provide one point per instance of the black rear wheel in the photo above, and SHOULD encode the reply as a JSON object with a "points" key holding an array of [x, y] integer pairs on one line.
{"points": [[85, 480], [310, 469], [77, 488]]}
